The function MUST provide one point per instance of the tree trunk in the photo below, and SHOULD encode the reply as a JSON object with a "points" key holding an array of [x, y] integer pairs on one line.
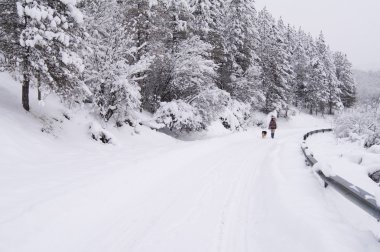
{"points": [[39, 87], [39, 95], [26, 75], [25, 92], [330, 108]]}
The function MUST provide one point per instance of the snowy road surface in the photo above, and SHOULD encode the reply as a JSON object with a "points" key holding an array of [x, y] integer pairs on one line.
{"points": [[231, 193]]}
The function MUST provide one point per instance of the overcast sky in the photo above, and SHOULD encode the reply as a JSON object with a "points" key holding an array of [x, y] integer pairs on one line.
{"points": [[352, 26]]}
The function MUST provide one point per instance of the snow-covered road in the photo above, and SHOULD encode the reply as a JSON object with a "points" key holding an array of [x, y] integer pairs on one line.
{"points": [[231, 193]]}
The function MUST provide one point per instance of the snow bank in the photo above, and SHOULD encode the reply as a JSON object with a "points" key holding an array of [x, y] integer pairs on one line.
{"points": [[325, 168], [349, 160], [354, 158], [180, 116], [98, 133], [308, 152], [374, 149], [235, 116], [51, 122]]}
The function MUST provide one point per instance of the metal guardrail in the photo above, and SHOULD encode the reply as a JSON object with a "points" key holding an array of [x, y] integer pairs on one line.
{"points": [[358, 196]]}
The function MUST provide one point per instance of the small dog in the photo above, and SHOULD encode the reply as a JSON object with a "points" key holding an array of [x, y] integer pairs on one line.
{"points": [[264, 134]]}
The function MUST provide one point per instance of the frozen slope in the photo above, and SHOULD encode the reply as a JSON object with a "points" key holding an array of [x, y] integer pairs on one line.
{"points": [[154, 194]]}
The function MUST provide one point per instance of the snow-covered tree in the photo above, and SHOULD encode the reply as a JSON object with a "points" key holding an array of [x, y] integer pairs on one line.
{"points": [[211, 59], [241, 33], [248, 87], [110, 63], [188, 71], [192, 71], [211, 104], [181, 18], [137, 23], [330, 84], [301, 66], [316, 86], [346, 80], [10, 32], [48, 35], [208, 23], [275, 63], [240, 71], [207, 16]]}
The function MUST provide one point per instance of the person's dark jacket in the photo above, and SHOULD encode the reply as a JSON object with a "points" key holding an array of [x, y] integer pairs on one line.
{"points": [[273, 124]]}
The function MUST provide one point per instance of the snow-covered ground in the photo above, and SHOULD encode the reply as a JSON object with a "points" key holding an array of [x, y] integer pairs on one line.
{"points": [[61, 191]]}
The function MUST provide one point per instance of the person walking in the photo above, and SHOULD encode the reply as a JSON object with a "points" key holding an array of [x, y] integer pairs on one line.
{"points": [[272, 126]]}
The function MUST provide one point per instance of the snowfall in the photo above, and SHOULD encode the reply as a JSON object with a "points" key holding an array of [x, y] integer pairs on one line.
{"points": [[220, 191]]}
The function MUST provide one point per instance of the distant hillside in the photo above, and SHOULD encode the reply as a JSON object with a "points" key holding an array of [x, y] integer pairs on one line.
{"points": [[368, 83]]}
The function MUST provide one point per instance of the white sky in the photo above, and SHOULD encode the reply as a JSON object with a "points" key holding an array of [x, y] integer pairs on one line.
{"points": [[351, 26]]}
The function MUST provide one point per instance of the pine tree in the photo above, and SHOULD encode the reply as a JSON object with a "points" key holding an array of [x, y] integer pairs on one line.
{"points": [[346, 79], [287, 46], [192, 71], [330, 85], [276, 67], [208, 25], [137, 20], [180, 22], [301, 66], [315, 89], [46, 39], [207, 16], [241, 34], [242, 67], [184, 69], [11, 26], [175, 22]]}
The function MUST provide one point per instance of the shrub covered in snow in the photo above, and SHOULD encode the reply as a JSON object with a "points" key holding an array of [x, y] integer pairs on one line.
{"points": [[111, 70], [236, 116], [179, 116], [99, 134], [119, 100], [211, 104], [287, 112], [375, 149], [375, 177], [204, 109], [351, 124], [325, 168], [360, 124], [372, 140]]}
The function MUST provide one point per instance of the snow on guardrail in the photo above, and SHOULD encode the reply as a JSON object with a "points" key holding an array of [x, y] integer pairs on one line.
{"points": [[368, 202]]}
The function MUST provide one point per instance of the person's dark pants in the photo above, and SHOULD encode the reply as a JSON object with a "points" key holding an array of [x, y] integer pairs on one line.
{"points": [[272, 133]]}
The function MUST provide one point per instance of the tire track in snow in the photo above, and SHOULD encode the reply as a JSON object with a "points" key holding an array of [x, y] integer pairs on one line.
{"points": [[203, 188], [235, 216]]}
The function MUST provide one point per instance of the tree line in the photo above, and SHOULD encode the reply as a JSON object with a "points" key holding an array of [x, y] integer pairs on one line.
{"points": [[189, 62]]}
